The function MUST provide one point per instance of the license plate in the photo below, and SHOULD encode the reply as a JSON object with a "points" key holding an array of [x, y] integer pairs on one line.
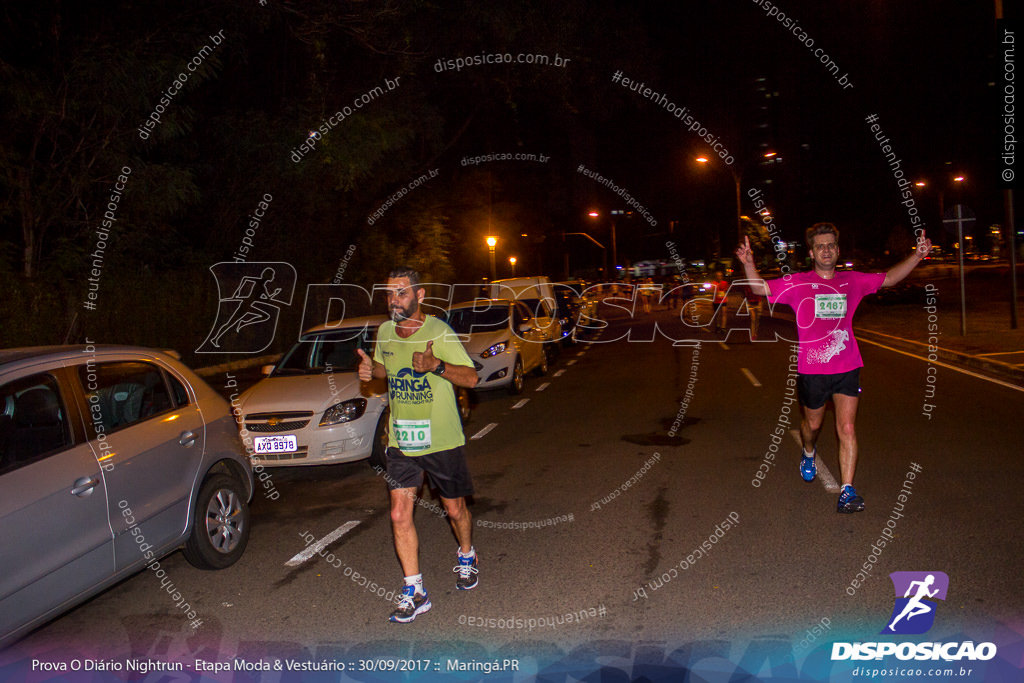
{"points": [[276, 444]]}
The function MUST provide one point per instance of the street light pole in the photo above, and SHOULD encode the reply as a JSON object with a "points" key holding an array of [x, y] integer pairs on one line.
{"points": [[491, 242], [615, 251], [739, 198], [583, 234], [739, 208]]}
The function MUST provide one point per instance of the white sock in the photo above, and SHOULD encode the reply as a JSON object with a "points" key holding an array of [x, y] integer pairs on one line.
{"points": [[471, 553], [811, 454], [417, 581]]}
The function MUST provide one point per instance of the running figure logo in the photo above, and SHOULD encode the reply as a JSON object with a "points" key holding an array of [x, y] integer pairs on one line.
{"points": [[914, 613], [247, 318]]}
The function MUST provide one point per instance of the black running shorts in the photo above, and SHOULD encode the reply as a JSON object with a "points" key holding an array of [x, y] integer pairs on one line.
{"points": [[816, 390], [447, 470]]}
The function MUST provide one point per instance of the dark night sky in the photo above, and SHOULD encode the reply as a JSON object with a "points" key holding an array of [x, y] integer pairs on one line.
{"points": [[923, 67]]}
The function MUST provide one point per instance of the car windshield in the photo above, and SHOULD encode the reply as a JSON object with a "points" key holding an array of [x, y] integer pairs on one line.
{"points": [[327, 352], [472, 320], [537, 308]]}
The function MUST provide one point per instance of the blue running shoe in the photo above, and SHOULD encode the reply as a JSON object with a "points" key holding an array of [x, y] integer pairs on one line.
{"points": [[808, 470], [467, 571], [411, 604], [849, 501]]}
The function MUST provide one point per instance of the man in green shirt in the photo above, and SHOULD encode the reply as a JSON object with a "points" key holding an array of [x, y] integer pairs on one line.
{"points": [[422, 359]]}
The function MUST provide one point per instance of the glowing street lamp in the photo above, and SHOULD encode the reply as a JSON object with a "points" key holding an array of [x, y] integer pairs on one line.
{"points": [[615, 252], [740, 233], [491, 242], [512, 262]]}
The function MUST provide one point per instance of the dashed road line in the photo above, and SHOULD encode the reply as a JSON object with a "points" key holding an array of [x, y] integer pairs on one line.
{"points": [[544, 386], [750, 376], [519, 404], [322, 543], [483, 432]]}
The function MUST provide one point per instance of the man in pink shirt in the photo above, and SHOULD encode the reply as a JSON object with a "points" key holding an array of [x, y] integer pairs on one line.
{"points": [[824, 301]]}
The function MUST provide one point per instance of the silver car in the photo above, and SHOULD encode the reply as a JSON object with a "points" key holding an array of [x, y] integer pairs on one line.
{"points": [[111, 457]]}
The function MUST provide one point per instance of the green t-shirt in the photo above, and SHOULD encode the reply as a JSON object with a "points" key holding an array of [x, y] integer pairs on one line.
{"points": [[424, 415]]}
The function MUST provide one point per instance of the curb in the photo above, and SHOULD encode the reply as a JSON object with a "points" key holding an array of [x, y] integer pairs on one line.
{"points": [[995, 368]]}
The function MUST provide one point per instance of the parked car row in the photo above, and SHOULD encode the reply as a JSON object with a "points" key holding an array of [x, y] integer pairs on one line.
{"points": [[120, 455], [311, 409]]}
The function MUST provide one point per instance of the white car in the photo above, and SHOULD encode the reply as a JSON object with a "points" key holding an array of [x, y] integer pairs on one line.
{"points": [[503, 340], [311, 409]]}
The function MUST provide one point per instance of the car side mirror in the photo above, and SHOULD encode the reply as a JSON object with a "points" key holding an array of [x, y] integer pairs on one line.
{"points": [[525, 327]]}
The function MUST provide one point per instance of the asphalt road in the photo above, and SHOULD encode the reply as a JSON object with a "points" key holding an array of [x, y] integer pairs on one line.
{"points": [[623, 489]]}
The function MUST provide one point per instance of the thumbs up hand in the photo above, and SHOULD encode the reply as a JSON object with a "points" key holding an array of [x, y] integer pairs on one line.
{"points": [[365, 366], [425, 361]]}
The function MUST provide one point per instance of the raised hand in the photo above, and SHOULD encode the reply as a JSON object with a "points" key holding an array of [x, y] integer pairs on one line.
{"points": [[924, 246], [744, 253], [365, 366], [425, 360]]}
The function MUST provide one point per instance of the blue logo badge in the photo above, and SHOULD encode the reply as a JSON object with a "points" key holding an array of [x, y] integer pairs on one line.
{"points": [[916, 593]]}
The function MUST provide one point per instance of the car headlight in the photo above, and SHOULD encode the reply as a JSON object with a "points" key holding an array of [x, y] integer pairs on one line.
{"points": [[494, 350], [347, 411]]}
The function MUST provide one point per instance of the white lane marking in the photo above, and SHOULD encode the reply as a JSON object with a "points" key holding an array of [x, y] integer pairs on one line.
{"points": [[725, 346], [947, 366], [571, 362], [581, 352], [544, 386], [322, 543], [560, 372], [520, 404], [750, 376], [827, 480], [483, 432]]}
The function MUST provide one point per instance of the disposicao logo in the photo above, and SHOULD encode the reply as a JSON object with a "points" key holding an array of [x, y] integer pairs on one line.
{"points": [[914, 613]]}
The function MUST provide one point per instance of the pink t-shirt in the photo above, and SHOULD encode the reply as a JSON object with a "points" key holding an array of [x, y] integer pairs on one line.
{"points": [[824, 316]]}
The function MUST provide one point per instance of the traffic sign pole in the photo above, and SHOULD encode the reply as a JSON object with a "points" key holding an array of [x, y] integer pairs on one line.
{"points": [[960, 215]]}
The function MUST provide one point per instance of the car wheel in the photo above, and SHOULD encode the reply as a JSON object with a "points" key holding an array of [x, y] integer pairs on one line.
{"points": [[378, 459], [220, 529], [542, 367], [464, 404], [516, 385]]}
